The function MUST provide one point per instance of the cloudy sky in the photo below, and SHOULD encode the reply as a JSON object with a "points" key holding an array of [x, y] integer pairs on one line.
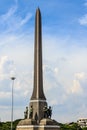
{"points": [[64, 56]]}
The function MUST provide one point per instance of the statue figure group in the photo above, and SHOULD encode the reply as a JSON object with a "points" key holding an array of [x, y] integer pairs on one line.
{"points": [[30, 113], [47, 112]]}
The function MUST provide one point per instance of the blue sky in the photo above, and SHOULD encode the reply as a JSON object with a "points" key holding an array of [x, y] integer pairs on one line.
{"points": [[64, 28]]}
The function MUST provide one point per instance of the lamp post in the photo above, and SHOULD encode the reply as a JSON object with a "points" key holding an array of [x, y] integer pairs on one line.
{"points": [[12, 78]]}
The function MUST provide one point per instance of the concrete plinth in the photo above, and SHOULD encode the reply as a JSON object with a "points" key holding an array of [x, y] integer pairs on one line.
{"points": [[38, 127], [45, 124]]}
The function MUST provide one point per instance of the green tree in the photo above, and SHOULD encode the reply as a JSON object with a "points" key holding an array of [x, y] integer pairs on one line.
{"points": [[85, 128], [71, 126], [7, 125]]}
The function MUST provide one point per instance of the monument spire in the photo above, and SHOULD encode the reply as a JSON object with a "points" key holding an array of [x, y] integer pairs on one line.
{"points": [[38, 72], [38, 100]]}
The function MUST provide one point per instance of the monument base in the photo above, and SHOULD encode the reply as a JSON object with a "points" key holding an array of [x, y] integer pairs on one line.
{"points": [[45, 124]]}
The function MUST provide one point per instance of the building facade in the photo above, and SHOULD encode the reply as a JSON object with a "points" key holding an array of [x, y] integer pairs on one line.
{"points": [[82, 122]]}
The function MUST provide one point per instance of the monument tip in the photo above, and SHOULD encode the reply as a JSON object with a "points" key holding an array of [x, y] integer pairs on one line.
{"points": [[38, 9]]}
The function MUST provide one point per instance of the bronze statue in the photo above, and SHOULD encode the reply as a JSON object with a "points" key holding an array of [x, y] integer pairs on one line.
{"points": [[31, 112], [26, 113]]}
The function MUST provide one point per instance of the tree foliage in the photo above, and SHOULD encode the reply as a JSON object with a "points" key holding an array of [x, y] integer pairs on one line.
{"points": [[85, 128], [7, 125], [71, 126]]}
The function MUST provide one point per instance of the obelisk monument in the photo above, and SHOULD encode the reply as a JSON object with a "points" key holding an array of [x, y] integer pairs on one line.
{"points": [[38, 100]]}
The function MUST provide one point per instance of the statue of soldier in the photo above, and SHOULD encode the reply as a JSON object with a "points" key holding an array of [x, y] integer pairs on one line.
{"points": [[26, 113], [45, 109], [31, 112], [49, 112]]}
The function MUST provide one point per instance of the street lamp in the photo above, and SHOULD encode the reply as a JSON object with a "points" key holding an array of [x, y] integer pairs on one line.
{"points": [[12, 78]]}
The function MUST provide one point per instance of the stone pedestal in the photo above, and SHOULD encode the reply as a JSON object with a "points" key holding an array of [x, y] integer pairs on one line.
{"points": [[45, 124], [38, 106]]}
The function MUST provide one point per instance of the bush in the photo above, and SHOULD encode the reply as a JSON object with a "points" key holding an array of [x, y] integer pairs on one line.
{"points": [[7, 125]]}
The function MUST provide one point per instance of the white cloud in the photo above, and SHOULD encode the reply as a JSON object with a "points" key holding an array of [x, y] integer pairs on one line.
{"points": [[54, 102], [10, 21], [80, 75], [17, 47], [6, 66], [83, 20], [9, 14], [24, 21], [77, 84], [85, 4], [49, 78], [76, 88], [56, 70], [5, 95]]}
